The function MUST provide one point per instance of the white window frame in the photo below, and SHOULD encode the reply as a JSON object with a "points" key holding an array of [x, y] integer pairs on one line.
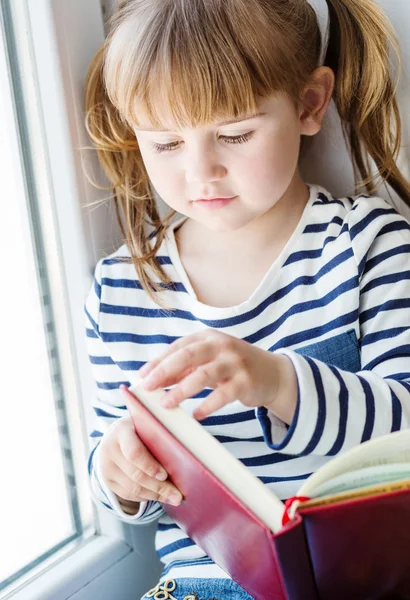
{"points": [[62, 38]]}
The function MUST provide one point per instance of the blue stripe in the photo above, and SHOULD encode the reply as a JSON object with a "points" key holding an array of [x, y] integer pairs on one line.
{"points": [[344, 409], [177, 545], [397, 304], [319, 227], [224, 439], [117, 261], [394, 227], [384, 334], [321, 417], [167, 526], [303, 255], [329, 201], [262, 414], [164, 260], [312, 254], [93, 323], [111, 385], [314, 332], [370, 409], [386, 279], [368, 219], [377, 260], [153, 509], [397, 352], [90, 333], [97, 288], [101, 360], [397, 412], [96, 434], [398, 376], [102, 413], [273, 458], [90, 458], [281, 479], [135, 284], [179, 564], [248, 415], [137, 339]]}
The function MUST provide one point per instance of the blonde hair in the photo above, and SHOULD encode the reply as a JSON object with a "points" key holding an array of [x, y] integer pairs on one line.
{"points": [[208, 58]]}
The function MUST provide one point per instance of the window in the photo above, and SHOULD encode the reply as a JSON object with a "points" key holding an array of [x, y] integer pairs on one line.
{"points": [[38, 431], [54, 543]]}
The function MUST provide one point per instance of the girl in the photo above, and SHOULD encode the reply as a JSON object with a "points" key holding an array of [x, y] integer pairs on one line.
{"points": [[271, 311]]}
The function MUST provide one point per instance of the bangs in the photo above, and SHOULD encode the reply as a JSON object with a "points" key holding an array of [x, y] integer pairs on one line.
{"points": [[196, 61]]}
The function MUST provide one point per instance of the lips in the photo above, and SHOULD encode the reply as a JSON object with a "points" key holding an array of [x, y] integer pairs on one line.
{"points": [[215, 203], [216, 198]]}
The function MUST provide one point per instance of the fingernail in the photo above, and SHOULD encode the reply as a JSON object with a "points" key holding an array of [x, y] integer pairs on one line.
{"points": [[144, 370], [167, 401], [150, 383], [161, 475], [175, 499]]}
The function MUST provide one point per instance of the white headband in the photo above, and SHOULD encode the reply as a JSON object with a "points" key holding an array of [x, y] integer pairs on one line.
{"points": [[322, 11]]}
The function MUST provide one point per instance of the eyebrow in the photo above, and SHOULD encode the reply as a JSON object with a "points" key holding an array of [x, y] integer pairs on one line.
{"points": [[238, 120]]}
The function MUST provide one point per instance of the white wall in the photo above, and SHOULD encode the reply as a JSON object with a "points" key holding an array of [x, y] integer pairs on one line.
{"points": [[328, 162]]}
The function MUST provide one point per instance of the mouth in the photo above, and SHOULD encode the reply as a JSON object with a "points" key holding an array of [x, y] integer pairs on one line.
{"points": [[216, 198], [214, 202]]}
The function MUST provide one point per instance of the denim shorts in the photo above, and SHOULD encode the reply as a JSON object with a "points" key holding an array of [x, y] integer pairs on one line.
{"points": [[187, 588]]}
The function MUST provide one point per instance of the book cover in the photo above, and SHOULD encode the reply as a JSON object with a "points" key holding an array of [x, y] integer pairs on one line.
{"points": [[356, 547]]}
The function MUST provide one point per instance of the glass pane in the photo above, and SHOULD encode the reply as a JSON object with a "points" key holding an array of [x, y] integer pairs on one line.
{"points": [[42, 513]]}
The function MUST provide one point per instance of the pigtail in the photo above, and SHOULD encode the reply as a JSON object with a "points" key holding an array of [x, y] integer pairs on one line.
{"points": [[365, 92], [119, 155]]}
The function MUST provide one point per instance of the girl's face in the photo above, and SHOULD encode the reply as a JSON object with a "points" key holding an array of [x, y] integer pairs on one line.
{"points": [[254, 159]]}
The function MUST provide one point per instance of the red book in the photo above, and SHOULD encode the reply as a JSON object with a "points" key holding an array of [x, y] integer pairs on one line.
{"points": [[348, 540]]}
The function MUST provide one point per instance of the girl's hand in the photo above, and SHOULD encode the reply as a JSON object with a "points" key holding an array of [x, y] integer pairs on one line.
{"points": [[236, 370], [131, 471]]}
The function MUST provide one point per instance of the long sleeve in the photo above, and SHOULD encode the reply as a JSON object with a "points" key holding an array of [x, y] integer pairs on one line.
{"points": [[108, 406], [338, 409]]}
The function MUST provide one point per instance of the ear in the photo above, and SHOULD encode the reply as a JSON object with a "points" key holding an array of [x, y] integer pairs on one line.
{"points": [[315, 99]]}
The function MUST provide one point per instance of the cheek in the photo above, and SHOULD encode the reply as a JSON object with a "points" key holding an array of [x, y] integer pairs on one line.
{"points": [[276, 159], [162, 173]]}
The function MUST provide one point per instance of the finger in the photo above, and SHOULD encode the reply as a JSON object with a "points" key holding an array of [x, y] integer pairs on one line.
{"points": [[208, 375], [135, 452], [223, 395], [121, 485], [140, 486], [175, 345], [170, 370]]}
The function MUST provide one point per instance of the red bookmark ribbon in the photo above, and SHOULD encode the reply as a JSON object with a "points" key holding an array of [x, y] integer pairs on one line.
{"points": [[288, 503]]}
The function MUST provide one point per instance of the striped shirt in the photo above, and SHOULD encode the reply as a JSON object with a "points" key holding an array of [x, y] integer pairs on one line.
{"points": [[335, 301]]}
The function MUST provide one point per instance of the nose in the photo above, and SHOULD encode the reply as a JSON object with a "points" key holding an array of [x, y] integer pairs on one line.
{"points": [[204, 167]]}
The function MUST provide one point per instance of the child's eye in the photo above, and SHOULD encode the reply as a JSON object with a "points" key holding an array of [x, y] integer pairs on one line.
{"points": [[238, 139]]}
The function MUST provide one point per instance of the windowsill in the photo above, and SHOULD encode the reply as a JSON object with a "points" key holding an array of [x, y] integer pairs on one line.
{"points": [[73, 573]]}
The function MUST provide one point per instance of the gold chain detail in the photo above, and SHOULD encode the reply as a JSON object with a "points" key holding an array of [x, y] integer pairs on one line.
{"points": [[162, 591]]}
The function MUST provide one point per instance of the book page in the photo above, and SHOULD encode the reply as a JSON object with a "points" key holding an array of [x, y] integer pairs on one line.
{"points": [[363, 478], [387, 449], [395, 486]]}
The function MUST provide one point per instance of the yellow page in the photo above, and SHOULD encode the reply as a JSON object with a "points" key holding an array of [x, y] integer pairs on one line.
{"points": [[391, 448], [363, 493]]}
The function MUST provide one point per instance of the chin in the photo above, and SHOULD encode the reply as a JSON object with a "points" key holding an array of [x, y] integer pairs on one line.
{"points": [[225, 225]]}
